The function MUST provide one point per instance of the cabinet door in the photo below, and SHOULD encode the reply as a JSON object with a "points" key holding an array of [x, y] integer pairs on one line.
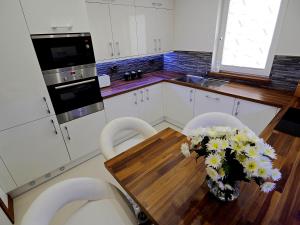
{"points": [[165, 27], [22, 84], [55, 16], [82, 135], [178, 103], [147, 26], [101, 31], [210, 102], [121, 105], [124, 30], [32, 150], [6, 182], [254, 115], [151, 103]]}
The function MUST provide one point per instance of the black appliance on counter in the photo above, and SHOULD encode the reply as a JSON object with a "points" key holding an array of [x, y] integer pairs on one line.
{"points": [[69, 70]]}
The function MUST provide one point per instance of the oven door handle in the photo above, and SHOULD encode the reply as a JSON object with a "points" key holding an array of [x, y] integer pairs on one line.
{"points": [[75, 84]]}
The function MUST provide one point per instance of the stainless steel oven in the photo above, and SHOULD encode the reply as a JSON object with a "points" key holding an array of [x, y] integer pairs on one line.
{"points": [[69, 70]]}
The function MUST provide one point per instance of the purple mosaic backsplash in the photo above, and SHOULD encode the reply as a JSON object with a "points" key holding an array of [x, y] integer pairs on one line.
{"points": [[285, 72]]}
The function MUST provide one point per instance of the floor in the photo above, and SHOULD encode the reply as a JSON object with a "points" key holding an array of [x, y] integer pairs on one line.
{"points": [[91, 168]]}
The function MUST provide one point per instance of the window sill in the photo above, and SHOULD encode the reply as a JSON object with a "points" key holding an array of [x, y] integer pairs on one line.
{"points": [[244, 77]]}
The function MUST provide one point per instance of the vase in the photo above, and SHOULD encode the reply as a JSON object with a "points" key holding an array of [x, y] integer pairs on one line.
{"points": [[222, 194]]}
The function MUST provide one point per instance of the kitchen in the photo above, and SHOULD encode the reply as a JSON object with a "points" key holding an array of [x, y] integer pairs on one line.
{"points": [[69, 68]]}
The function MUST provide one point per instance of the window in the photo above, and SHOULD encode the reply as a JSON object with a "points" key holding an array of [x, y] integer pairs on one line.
{"points": [[249, 28]]}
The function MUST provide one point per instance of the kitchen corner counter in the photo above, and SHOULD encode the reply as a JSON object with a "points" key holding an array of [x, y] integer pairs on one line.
{"points": [[246, 92]]}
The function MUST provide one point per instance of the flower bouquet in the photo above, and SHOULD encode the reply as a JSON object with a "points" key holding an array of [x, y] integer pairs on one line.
{"points": [[232, 155]]}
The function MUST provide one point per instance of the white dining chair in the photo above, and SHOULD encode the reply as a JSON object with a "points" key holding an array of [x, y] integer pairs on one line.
{"points": [[213, 119], [119, 125], [101, 208]]}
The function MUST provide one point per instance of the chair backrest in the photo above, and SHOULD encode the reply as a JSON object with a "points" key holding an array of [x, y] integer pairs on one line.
{"points": [[213, 119], [57, 196], [122, 124]]}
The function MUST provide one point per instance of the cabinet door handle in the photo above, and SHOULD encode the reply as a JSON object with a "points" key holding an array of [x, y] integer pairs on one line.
{"points": [[69, 27], [147, 92], [191, 95], [48, 109], [142, 96], [157, 4], [237, 108], [135, 98], [111, 48], [118, 48], [55, 130], [155, 45], [217, 99], [68, 134], [159, 44]]}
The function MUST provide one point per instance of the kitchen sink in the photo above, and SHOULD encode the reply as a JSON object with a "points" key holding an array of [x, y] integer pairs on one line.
{"points": [[202, 81], [290, 122]]}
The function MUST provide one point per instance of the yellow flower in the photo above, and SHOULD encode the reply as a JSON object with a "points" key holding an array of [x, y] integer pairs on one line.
{"points": [[213, 160], [251, 166], [262, 172]]}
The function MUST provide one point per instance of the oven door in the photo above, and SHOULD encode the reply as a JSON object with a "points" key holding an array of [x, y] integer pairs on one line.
{"points": [[76, 99], [63, 50]]}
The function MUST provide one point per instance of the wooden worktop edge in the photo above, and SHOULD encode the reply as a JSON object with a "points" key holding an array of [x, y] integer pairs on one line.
{"points": [[9, 211]]}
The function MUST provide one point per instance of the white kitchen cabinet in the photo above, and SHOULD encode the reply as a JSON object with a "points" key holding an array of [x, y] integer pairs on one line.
{"points": [[150, 104], [211, 102], [82, 135], [55, 16], [6, 181], [101, 31], [32, 150], [178, 103], [254, 115], [124, 30], [23, 89], [167, 4], [154, 30]]}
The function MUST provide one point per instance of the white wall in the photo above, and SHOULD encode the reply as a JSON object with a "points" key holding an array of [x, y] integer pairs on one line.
{"points": [[195, 24], [289, 39]]}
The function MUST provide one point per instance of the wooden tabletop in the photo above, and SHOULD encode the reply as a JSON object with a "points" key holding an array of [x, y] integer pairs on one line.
{"points": [[172, 190]]}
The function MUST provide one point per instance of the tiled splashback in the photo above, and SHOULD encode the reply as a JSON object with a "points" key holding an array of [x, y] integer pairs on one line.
{"points": [[195, 63], [146, 64], [285, 72]]}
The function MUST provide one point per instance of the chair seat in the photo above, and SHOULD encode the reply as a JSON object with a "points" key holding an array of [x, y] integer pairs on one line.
{"points": [[102, 212]]}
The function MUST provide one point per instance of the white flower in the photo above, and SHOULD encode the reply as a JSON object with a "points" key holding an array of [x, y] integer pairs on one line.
{"points": [[251, 166], [195, 140], [213, 160], [252, 151], [185, 150], [262, 172], [213, 174], [267, 187], [217, 144], [276, 175], [269, 151]]}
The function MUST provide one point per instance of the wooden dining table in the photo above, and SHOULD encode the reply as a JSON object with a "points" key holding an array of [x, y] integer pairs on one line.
{"points": [[172, 189]]}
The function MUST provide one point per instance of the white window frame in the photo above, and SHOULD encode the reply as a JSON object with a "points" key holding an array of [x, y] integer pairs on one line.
{"points": [[219, 42]]}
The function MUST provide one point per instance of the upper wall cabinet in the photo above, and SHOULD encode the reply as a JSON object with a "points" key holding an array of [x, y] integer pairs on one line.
{"points": [[113, 29], [55, 16], [154, 30], [166, 4], [118, 2], [23, 93]]}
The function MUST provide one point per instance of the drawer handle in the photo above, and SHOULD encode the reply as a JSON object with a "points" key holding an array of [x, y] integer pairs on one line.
{"points": [[135, 96], [237, 108], [217, 99], [69, 27], [68, 134], [112, 49], [48, 109], [55, 130]]}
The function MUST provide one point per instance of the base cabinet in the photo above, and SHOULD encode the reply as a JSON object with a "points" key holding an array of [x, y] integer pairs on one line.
{"points": [[206, 102], [178, 103], [32, 150], [254, 115], [82, 135]]}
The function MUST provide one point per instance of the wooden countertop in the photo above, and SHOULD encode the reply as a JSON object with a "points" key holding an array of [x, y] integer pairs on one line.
{"points": [[260, 95], [172, 190]]}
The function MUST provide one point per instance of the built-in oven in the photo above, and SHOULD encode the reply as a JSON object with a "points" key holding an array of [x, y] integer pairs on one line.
{"points": [[69, 69]]}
